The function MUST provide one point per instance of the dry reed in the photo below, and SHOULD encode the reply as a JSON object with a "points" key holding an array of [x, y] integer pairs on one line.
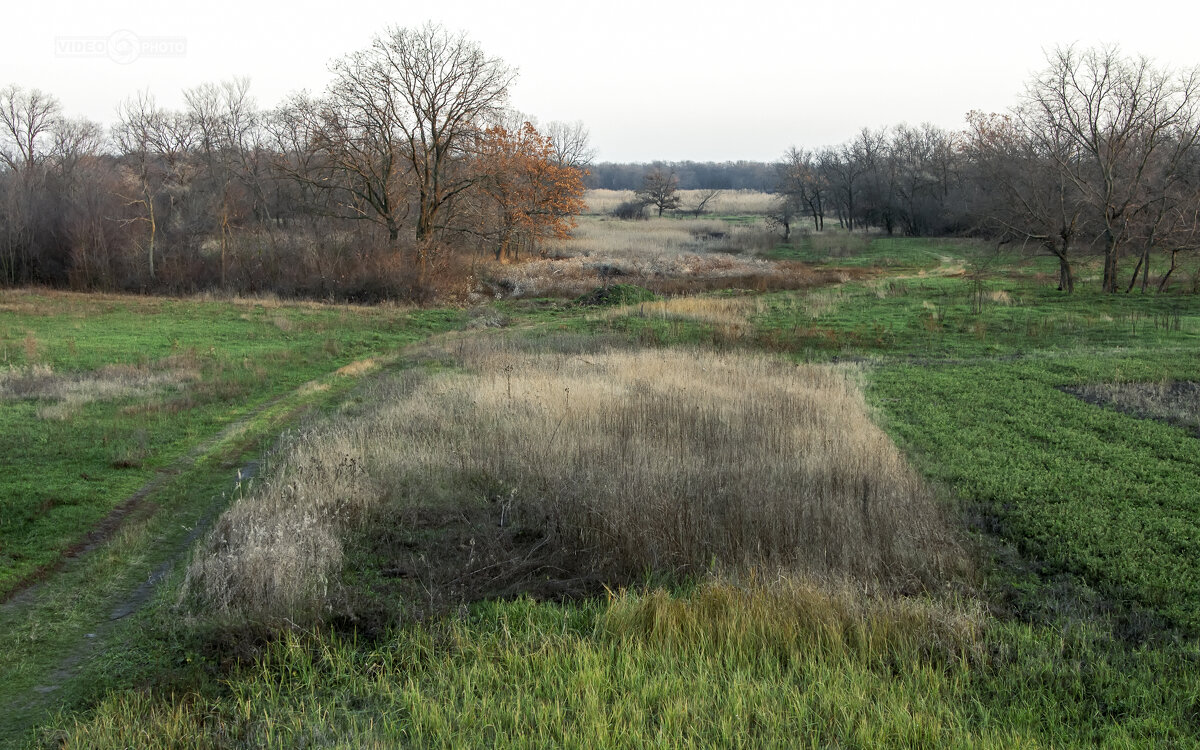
{"points": [[673, 461], [726, 202]]}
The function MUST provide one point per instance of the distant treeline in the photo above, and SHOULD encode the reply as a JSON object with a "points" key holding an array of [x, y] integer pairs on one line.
{"points": [[692, 175]]}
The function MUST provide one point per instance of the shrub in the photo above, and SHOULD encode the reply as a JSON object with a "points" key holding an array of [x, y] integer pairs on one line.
{"points": [[617, 294]]}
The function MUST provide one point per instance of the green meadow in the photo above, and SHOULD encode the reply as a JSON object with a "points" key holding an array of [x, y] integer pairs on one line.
{"points": [[471, 595]]}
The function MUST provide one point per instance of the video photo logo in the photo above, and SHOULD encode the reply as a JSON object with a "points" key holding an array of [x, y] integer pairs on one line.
{"points": [[122, 47]]}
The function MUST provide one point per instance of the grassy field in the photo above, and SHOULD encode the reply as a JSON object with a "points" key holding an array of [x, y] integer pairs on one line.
{"points": [[682, 522], [100, 395], [121, 418]]}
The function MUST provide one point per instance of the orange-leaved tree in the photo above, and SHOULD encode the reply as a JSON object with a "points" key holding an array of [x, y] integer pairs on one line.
{"points": [[527, 194]]}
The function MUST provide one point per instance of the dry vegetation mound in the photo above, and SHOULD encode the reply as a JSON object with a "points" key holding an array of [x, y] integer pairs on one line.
{"points": [[61, 393], [1170, 401], [613, 463]]}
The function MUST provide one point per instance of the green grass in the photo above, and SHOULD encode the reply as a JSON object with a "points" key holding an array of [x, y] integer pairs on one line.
{"points": [[1087, 491], [933, 318], [59, 477], [712, 668], [840, 248], [1085, 523]]}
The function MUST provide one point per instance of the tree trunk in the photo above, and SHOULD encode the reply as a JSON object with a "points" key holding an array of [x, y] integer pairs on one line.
{"points": [[1066, 277], [1137, 269], [1162, 284], [1111, 249], [153, 231], [425, 221]]}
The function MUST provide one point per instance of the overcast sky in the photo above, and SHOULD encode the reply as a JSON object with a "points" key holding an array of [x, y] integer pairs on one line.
{"points": [[652, 80]]}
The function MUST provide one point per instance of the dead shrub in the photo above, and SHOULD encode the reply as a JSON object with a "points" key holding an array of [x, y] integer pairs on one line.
{"points": [[275, 555]]}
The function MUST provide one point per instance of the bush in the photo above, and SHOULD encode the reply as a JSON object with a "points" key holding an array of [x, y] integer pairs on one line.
{"points": [[617, 294], [630, 211]]}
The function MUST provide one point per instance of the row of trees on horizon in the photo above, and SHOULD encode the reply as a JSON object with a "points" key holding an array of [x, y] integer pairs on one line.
{"points": [[411, 164]]}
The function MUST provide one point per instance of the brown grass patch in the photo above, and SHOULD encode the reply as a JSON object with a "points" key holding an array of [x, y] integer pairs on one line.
{"points": [[605, 464], [62, 393], [669, 256], [741, 202], [1170, 401], [729, 317], [354, 369]]}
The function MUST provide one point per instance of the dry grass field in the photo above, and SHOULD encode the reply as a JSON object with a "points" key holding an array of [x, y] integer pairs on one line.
{"points": [[61, 394], [667, 255], [726, 202], [617, 462]]}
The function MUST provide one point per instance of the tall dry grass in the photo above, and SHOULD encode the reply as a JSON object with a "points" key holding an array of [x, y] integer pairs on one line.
{"points": [[729, 317], [613, 238], [652, 252], [61, 394], [727, 202], [276, 554], [673, 461]]}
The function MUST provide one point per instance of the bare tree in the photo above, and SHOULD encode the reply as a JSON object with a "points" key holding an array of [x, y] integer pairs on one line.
{"points": [[661, 190], [438, 89], [702, 199], [784, 212], [843, 171], [1024, 193], [226, 122], [359, 131], [308, 179], [572, 143], [923, 160], [1120, 114], [28, 118], [158, 144], [803, 187], [872, 149]]}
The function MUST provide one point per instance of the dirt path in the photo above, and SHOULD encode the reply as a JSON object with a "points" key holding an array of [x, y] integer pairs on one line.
{"points": [[98, 632], [138, 505], [127, 604]]}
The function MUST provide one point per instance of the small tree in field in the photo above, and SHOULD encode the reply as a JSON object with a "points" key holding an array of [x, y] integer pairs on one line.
{"points": [[528, 193], [660, 189]]}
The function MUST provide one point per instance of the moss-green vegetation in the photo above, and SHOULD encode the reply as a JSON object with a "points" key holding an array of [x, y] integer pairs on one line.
{"points": [[617, 294]]}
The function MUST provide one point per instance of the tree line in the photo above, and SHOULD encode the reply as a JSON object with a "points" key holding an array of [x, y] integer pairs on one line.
{"points": [[383, 185], [411, 164], [1099, 156], [689, 175]]}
